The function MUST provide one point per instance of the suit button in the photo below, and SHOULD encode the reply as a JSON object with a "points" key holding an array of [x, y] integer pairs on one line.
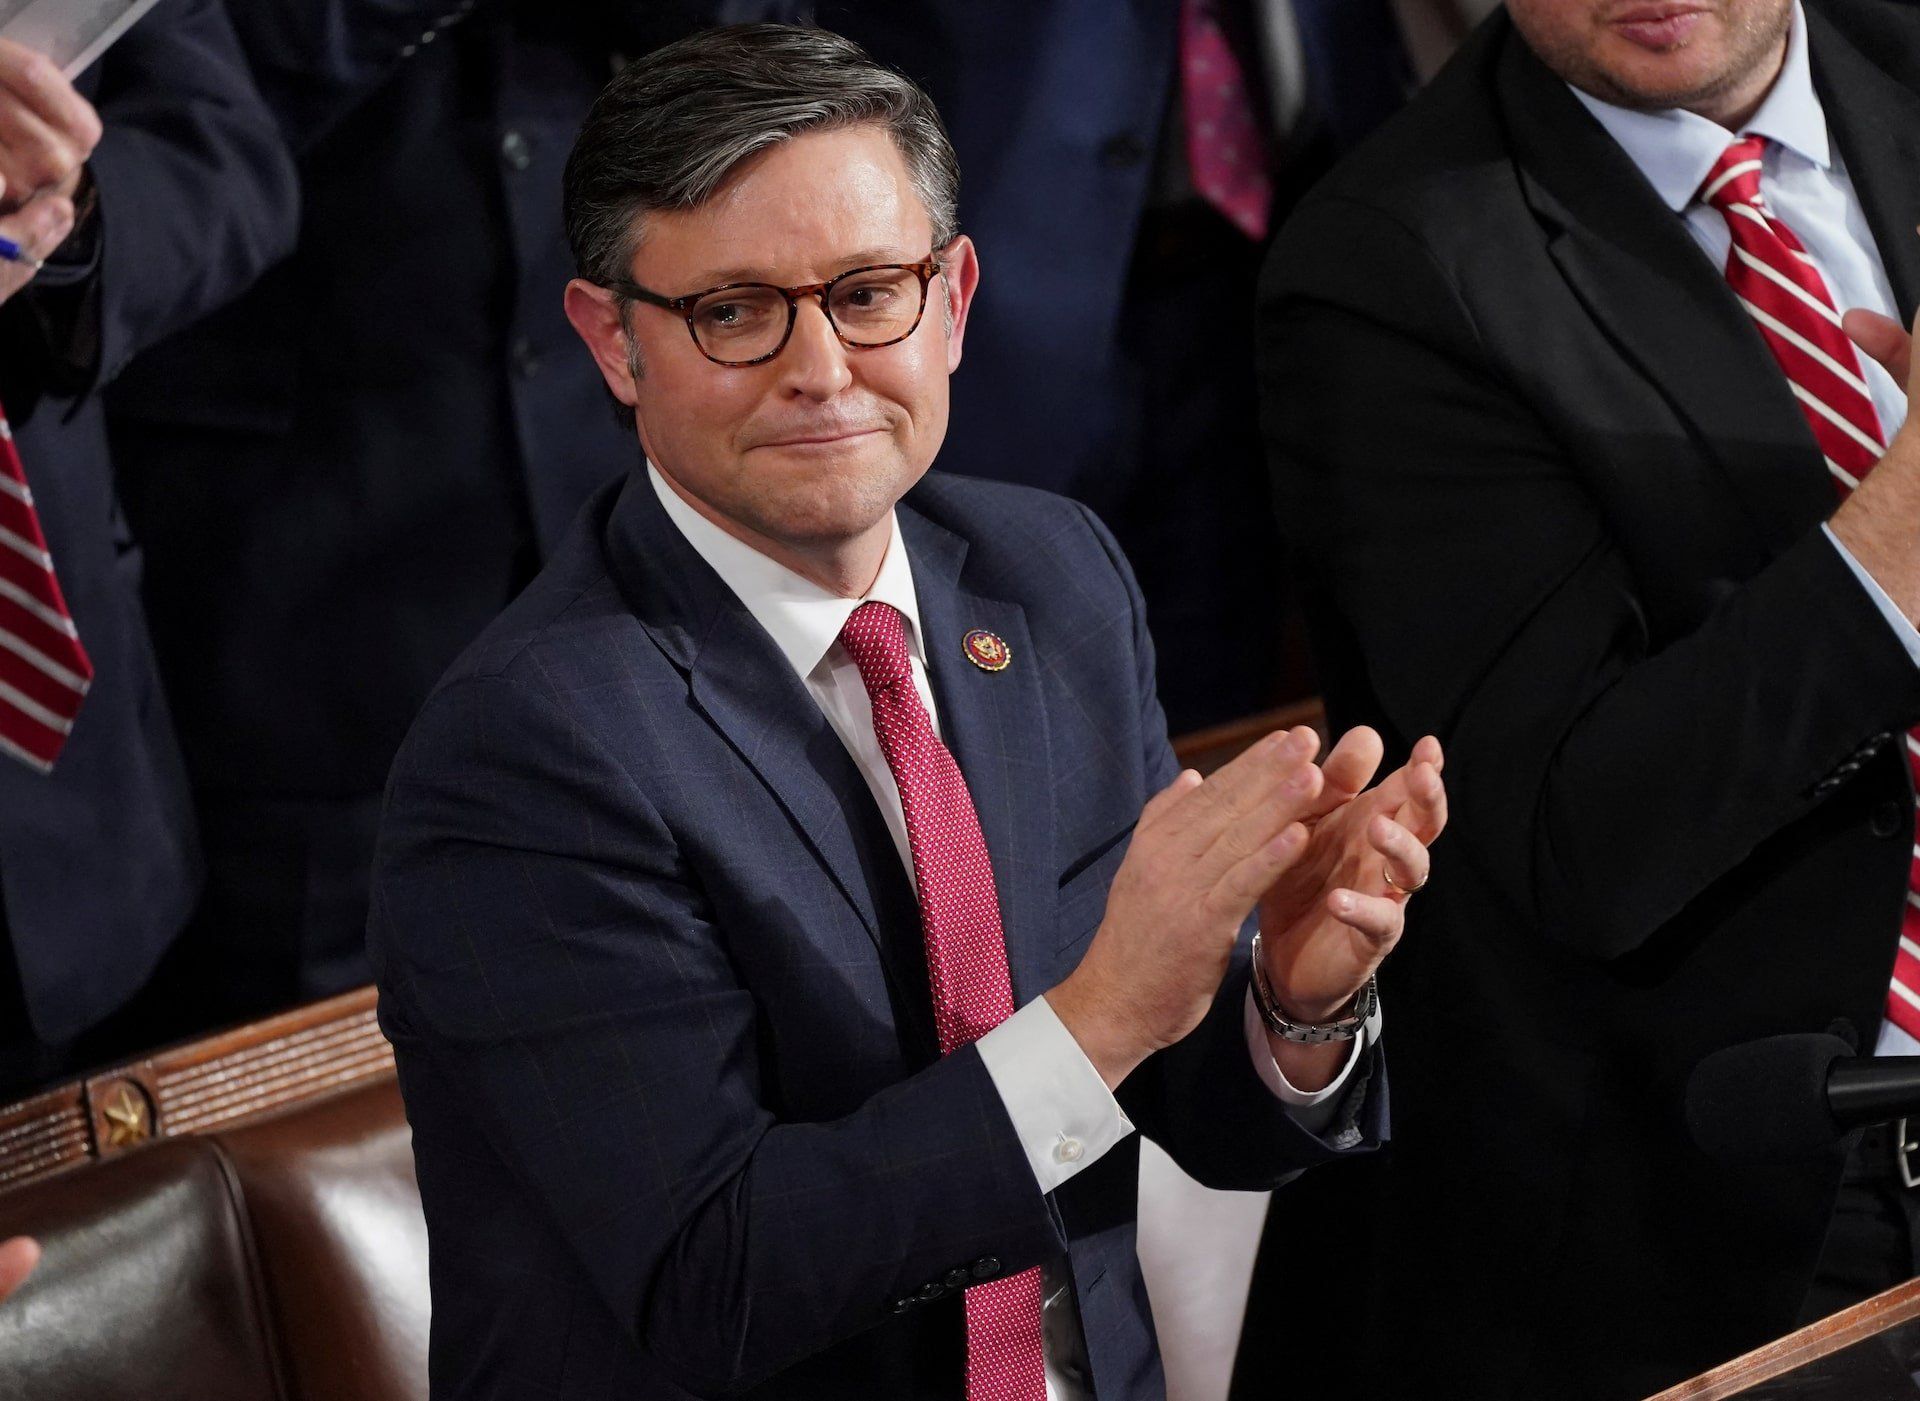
{"points": [[932, 1291], [526, 360], [986, 1267], [1122, 151], [956, 1279], [516, 151], [1885, 821], [902, 1305]]}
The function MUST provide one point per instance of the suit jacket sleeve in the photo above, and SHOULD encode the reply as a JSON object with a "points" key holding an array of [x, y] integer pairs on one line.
{"points": [[1604, 777], [197, 193], [1201, 1099], [549, 965]]}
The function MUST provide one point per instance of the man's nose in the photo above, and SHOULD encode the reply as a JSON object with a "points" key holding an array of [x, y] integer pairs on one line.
{"points": [[815, 362]]}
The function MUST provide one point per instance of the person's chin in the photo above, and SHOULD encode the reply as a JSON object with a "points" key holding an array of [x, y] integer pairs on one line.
{"points": [[1654, 80]]}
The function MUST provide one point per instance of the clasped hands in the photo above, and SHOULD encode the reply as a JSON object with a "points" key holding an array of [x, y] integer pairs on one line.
{"points": [[1327, 861]]}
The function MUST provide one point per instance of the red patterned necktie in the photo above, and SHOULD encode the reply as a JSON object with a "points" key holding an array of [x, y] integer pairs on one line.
{"points": [[1782, 290], [44, 671], [1226, 149], [966, 956]]}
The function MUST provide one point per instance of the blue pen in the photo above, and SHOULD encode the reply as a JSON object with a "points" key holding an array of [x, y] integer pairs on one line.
{"points": [[12, 252]]}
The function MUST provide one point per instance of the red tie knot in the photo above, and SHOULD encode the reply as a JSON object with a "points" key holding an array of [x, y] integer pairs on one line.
{"points": [[875, 636], [1735, 177]]}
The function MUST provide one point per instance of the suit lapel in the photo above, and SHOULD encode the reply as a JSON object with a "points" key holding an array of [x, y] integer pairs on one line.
{"points": [[745, 686], [995, 724], [1876, 124], [1632, 263]]}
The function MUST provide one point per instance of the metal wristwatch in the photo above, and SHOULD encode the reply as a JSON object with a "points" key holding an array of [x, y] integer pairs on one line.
{"points": [[1365, 1007]]}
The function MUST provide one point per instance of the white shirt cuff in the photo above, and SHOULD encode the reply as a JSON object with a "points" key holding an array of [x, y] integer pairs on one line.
{"points": [[1063, 1112], [1312, 1110], [1903, 628]]}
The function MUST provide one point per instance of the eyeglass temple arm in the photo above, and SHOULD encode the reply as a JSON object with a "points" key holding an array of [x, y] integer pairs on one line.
{"points": [[633, 291]]}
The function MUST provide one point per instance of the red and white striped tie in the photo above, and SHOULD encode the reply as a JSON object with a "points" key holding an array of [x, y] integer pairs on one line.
{"points": [[1781, 288], [44, 671], [966, 957]]}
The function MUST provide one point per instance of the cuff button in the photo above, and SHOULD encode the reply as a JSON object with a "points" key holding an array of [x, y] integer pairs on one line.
{"points": [[1069, 1150]]}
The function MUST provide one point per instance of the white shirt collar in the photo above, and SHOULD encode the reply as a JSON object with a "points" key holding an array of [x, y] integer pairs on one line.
{"points": [[803, 619], [1675, 150]]}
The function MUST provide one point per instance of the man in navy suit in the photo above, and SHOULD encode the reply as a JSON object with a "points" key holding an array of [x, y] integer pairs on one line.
{"points": [[789, 908], [187, 197]]}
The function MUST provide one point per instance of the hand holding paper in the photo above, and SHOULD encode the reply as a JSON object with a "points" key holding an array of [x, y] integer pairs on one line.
{"points": [[47, 130]]}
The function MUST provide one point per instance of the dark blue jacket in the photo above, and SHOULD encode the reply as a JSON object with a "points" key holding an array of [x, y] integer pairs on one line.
{"points": [[396, 424], [653, 971], [98, 862]]}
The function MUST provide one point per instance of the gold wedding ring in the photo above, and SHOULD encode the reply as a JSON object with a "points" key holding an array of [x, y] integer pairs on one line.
{"points": [[1386, 874]]}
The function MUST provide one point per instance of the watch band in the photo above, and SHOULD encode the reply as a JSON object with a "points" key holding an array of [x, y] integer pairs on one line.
{"points": [[1365, 1007]]}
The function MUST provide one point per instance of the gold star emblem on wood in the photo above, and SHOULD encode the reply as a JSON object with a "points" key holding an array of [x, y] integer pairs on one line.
{"points": [[126, 1118]]}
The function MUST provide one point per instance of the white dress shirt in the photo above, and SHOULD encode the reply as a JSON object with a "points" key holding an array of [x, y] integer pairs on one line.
{"points": [[1806, 183], [1061, 1109]]}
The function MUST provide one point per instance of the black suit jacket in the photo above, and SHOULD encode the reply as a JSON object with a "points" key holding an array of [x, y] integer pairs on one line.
{"points": [[99, 863], [1554, 502], [653, 973]]}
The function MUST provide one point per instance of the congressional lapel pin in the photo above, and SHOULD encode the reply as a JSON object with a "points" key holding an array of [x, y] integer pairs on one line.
{"points": [[986, 651]]}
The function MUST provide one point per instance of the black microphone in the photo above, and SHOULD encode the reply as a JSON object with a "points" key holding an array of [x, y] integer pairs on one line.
{"points": [[1792, 1097]]}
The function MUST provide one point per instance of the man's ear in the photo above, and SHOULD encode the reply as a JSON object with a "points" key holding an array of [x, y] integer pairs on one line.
{"points": [[958, 281], [595, 314]]}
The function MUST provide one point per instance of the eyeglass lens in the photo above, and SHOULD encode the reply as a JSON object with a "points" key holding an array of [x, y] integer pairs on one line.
{"points": [[872, 307]]}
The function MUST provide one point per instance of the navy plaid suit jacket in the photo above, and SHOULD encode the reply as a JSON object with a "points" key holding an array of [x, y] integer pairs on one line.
{"points": [[653, 973]]}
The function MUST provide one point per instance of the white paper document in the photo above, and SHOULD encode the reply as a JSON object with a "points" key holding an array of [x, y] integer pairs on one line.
{"points": [[73, 33]]}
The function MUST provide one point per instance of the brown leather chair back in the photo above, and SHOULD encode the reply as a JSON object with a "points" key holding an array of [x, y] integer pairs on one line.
{"points": [[235, 1219], [342, 1244], [147, 1287]]}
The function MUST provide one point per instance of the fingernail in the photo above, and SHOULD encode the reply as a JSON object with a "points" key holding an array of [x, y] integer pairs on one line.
{"points": [[1343, 903]]}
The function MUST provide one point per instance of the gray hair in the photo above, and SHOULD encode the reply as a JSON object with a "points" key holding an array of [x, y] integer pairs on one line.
{"points": [[673, 125]]}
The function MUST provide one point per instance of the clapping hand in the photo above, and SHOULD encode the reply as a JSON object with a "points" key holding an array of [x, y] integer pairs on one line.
{"points": [[1307, 844], [1333, 916]]}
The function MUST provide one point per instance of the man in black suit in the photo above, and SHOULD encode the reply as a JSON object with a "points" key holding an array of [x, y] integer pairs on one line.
{"points": [[187, 197], [1547, 433]]}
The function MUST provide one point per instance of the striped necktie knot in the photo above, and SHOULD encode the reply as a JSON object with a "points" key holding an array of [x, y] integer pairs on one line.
{"points": [[1735, 177]]}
